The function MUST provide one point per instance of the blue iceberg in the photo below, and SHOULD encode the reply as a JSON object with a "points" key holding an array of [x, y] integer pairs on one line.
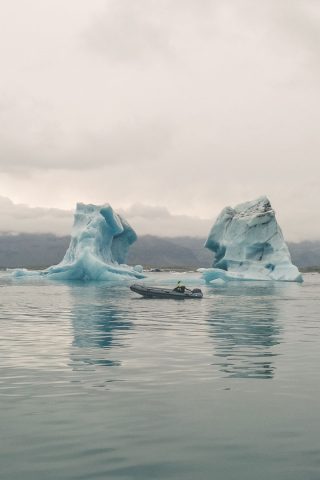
{"points": [[248, 245], [98, 248]]}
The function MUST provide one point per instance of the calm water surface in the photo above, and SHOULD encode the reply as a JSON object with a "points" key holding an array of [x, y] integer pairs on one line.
{"points": [[97, 383]]}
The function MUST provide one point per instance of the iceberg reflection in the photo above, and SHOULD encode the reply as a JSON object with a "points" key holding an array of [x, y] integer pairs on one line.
{"points": [[245, 330], [99, 326]]}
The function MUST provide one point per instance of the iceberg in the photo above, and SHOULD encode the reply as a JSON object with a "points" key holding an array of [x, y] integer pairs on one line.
{"points": [[99, 244], [248, 245]]}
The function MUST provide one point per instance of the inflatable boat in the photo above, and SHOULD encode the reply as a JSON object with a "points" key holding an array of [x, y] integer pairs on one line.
{"points": [[158, 292]]}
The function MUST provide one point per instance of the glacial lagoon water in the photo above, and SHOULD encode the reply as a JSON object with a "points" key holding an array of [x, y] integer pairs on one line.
{"points": [[97, 383]]}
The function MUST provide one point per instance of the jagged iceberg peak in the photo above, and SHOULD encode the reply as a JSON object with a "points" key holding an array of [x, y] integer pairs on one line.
{"points": [[99, 244], [248, 245], [103, 232]]}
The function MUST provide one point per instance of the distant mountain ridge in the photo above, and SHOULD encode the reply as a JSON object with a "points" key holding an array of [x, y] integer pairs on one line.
{"points": [[42, 250], [170, 252]]}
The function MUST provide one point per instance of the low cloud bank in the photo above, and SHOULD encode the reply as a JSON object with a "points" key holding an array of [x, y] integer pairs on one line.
{"points": [[145, 219], [21, 218]]}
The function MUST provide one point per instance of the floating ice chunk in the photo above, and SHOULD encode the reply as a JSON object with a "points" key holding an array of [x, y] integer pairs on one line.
{"points": [[217, 282], [249, 245], [22, 272], [98, 248], [138, 268]]}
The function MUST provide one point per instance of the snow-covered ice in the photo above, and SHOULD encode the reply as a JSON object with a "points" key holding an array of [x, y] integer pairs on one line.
{"points": [[248, 245], [98, 248]]}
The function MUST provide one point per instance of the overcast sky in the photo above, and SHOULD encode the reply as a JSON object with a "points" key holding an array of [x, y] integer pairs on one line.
{"points": [[167, 109]]}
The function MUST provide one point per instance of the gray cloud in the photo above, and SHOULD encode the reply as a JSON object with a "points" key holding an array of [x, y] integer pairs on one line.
{"points": [[299, 21], [190, 104], [151, 30], [129, 31], [43, 143]]}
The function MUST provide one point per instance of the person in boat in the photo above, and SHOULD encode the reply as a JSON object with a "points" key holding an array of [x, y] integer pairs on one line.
{"points": [[180, 287]]}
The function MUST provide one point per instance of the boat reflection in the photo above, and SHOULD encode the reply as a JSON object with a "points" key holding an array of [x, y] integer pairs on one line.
{"points": [[245, 328]]}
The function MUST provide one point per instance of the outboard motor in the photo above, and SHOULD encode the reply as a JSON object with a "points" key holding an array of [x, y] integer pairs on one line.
{"points": [[197, 290]]}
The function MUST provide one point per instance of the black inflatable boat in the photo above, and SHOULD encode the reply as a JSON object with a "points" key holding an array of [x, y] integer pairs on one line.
{"points": [[157, 292]]}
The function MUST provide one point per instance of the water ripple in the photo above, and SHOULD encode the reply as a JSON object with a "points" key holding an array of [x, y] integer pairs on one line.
{"points": [[96, 383]]}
